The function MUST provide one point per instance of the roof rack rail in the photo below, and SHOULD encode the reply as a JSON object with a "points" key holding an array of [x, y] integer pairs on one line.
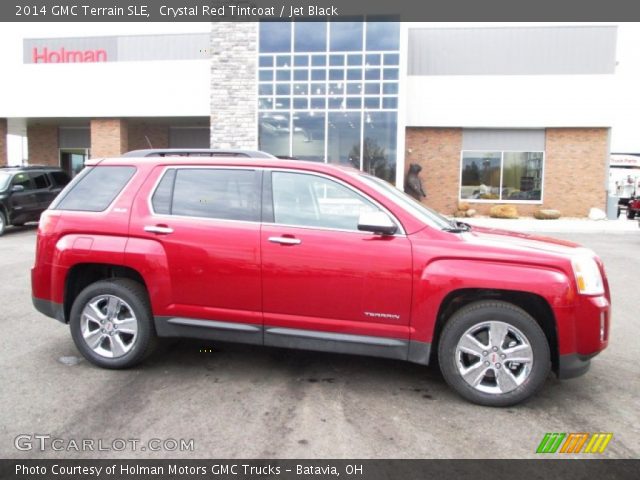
{"points": [[29, 167], [197, 152]]}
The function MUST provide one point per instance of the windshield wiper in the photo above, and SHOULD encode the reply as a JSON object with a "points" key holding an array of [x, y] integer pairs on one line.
{"points": [[457, 227]]}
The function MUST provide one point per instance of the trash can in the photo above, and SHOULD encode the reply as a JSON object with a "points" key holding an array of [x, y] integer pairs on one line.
{"points": [[612, 207]]}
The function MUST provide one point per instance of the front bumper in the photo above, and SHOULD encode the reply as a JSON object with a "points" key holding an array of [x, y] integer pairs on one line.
{"points": [[573, 365], [583, 332]]}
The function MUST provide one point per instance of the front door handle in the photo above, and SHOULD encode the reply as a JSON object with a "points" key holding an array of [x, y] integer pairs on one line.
{"points": [[162, 229], [285, 240]]}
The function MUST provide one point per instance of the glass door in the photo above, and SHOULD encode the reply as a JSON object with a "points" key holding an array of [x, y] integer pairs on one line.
{"points": [[72, 160]]}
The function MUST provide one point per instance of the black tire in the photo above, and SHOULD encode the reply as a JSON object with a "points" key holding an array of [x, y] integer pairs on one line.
{"points": [[476, 314], [630, 214], [135, 297], [3, 223]]}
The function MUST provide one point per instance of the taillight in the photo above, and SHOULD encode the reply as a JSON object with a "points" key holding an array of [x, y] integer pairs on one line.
{"points": [[48, 220]]}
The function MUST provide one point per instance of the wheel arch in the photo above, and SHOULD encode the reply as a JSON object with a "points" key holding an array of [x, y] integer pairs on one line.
{"points": [[82, 275], [535, 305]]}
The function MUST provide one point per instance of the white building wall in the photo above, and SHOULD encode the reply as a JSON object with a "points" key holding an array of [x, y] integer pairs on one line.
{"points": [[516, 101], [119, 89]]}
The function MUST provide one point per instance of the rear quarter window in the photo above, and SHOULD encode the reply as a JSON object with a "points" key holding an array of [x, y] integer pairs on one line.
{"points": [[95, 188]]}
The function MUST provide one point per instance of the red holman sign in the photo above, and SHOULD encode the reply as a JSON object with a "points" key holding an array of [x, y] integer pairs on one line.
{"points": [[62, 55]]}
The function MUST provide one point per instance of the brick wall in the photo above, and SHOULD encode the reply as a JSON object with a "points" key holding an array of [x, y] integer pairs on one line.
{"points": [[43, 145], [3, 141], [158, 135], [234, 54], [109, 137], [437, 151], [574, 170]]}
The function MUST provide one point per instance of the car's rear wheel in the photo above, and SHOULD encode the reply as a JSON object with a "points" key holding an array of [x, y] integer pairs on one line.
{"points": [[630, 213], [3, 223], [111, 323], [494, 353]]}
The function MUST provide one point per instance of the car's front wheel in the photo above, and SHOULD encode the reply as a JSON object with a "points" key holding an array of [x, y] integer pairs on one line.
{"points": [[494, 353], [111, 323]]}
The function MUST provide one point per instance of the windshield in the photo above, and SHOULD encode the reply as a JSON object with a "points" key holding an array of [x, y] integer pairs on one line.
{"points": [[5, 178], [406, 202]]}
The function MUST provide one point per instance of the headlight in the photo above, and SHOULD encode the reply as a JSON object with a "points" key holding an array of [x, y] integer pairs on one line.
{"points": [[587, 275]]}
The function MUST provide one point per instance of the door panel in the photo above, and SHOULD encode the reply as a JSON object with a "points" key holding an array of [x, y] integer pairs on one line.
{"points": [[337, 281], [324, 274], [24, 204], [214, 263]]}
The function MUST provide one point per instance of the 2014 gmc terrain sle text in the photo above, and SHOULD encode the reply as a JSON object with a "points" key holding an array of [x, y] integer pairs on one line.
{"points": [[304, 255]]}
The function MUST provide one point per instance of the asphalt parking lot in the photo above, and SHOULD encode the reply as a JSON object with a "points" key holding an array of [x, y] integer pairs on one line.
{"points": [[239, 401]]}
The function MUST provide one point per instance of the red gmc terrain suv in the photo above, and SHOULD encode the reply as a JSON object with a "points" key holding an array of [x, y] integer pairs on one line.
{"points": [[305, 255]]}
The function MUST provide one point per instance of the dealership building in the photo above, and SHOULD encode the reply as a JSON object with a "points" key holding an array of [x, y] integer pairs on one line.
{"points": [[494, 114]]}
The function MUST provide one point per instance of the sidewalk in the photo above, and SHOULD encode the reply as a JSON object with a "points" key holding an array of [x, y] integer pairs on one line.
{"points": [[562, 225]]}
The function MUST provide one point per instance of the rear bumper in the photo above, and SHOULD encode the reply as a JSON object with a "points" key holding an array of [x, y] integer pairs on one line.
{"points": [[49, 308]]}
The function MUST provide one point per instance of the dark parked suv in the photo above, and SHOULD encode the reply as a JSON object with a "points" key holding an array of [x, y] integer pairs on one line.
{"points": [[26, 192], [294, 254]]}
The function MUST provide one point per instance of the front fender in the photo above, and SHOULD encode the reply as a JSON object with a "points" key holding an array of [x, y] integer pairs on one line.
{"points": [[436, 280]]}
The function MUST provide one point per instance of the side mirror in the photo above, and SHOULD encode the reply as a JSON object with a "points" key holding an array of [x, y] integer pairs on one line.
{"points": [[377, 222], [17, 188]]}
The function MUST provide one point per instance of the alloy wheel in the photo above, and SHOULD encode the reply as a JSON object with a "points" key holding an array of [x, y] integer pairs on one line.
{"points": [[494, 357], [109, 326]]}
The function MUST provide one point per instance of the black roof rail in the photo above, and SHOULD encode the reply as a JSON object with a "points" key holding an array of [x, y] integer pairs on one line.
{"points": [[30, 167], [197, 152]]}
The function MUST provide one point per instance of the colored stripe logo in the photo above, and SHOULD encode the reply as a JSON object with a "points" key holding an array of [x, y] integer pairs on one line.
{"points": [[580, 442]]}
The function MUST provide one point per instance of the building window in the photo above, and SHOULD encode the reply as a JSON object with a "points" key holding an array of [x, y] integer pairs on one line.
{"points": [[330, 93], [501, 176]]}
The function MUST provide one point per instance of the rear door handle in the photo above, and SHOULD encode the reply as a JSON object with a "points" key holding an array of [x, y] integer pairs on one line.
{"points": [[285, 240], [158, 229]]}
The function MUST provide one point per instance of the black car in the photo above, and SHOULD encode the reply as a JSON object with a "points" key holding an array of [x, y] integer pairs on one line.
{"points": [[25, 192]]}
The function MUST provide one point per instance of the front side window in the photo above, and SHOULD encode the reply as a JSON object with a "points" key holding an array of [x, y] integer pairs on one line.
{"points": [[23, 180], [313, 201], [226, 194], [501, 176]]}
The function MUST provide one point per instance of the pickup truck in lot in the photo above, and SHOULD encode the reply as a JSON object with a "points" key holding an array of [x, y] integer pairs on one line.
{"points": [[296, 254]]}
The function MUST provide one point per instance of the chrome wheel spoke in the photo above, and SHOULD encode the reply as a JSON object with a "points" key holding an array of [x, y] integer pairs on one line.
{"points": [[93, 338], [93, 312], [497, 333], [118, 348], [127, 325], [519, 353], [474, 374], [113, 307], [505, 380], [471, 345]]}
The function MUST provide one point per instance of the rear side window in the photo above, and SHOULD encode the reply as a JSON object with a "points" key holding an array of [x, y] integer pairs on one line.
{"points": [[94, 190], [40, 179], [60, 178], [226, 194]]}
